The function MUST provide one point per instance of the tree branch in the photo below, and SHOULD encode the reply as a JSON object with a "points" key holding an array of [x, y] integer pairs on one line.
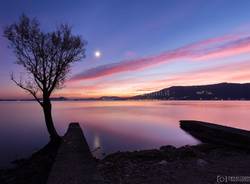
{"points": [[32, 92]]}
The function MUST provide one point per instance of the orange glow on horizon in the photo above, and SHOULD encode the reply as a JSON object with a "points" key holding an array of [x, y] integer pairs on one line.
{"points": [[237, 72]]}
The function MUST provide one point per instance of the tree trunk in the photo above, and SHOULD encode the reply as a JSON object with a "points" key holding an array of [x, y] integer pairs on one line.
{"points": [[54, 137]]}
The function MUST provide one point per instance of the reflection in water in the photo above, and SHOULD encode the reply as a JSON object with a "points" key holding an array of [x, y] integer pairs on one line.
{"points": [[97, 149], [114, 125], [96, 143]]}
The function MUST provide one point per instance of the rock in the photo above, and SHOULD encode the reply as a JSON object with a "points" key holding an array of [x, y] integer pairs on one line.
{"points": [[201, 162], [163, 162], [108, 163], [168, 148], [187, 152]]}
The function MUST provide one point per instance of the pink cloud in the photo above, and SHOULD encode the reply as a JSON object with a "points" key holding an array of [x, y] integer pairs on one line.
{"points": [[128, 65], [130, 54], [224, 46], [234, 72], [236, 47]]}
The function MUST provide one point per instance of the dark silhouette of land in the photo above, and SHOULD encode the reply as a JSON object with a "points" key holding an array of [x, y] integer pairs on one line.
{"points": [[32, 170], [221, 91]]}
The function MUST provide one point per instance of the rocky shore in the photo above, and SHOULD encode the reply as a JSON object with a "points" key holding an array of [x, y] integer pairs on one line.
{"points": [[204, 163], [32, 170]]}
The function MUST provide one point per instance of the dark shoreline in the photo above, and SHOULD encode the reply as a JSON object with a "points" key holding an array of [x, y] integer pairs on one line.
{"points": [[226, 153], [200, 164], [31, 170]]}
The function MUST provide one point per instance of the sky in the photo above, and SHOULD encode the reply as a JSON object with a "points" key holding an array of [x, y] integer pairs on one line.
{"points": [[145, 45]]}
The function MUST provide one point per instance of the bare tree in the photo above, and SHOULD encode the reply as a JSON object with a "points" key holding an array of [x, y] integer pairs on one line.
{"points": [[46, 58]]}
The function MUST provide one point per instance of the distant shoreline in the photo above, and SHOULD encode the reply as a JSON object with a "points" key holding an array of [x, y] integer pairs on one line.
{"points": [[213, 92], [70, 100]]}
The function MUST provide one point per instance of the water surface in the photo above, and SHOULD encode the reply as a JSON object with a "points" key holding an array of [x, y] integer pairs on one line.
{"points": [[113, 125]]}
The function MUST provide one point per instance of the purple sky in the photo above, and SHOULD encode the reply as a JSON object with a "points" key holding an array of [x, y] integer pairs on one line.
{"points": [[145, 45]]}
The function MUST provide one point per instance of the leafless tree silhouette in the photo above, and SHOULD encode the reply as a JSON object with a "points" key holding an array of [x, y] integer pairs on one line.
{"points": [[46, 58]]}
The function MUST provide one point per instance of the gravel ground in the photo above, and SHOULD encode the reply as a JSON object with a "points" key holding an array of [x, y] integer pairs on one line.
{"points": [[189, 164]]}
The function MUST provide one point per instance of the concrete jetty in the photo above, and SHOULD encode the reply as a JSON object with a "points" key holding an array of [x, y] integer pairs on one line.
{"points": [[74, 163], [217, 134]]}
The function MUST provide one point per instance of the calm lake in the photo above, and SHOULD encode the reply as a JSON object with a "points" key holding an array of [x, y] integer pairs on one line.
{"points": [[113, 125]]}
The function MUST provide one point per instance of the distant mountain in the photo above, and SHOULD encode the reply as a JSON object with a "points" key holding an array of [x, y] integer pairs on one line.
{"points": [[110, 98], [221, 91], [103, 98]]}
